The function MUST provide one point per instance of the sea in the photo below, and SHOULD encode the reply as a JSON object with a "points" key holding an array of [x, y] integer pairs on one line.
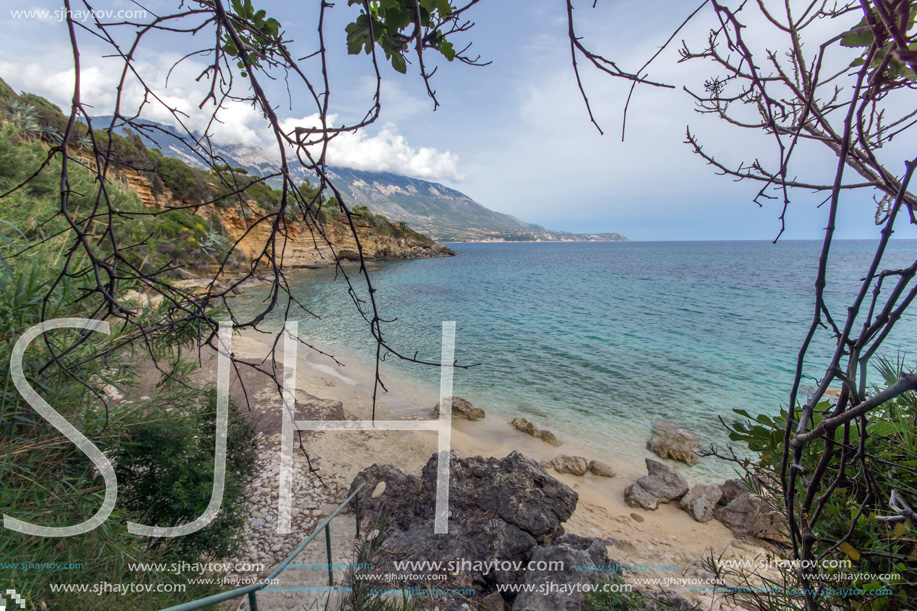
{"points": [[597, 341]]}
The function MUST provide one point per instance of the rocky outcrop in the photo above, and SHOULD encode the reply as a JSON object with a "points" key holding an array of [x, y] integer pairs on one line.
{"points": [[751, 515], [575, 465], [301, 250], [662, 485], [732, 489], [524, 426], [670, 441], [700, 501], [462, 410], [571, 551], [506, 509]]}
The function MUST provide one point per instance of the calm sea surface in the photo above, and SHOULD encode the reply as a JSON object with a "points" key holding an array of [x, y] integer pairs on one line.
{"points": [[599, 340]]}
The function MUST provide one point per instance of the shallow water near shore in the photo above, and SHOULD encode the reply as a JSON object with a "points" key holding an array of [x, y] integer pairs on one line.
{"points": [[597, 341]]}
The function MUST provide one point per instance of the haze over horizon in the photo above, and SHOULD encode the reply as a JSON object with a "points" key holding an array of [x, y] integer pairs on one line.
{"points": [[531, 152]]}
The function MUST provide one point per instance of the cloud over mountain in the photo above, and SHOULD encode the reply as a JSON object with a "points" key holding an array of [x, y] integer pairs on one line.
{"points": [[382, 149]]}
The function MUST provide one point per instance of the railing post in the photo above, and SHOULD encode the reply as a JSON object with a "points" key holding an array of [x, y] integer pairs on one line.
{"points": [[252, 602], [356, 502], [328, 549]]}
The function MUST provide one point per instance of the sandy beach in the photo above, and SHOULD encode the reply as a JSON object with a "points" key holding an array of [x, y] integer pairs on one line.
{"points": [[342, 390]]}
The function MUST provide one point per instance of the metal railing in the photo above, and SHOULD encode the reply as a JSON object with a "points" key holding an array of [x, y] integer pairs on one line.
{"points": [[252, 589]]}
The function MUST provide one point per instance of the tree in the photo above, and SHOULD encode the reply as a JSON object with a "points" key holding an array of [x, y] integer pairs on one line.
{"points": [[850, 91], [783, 76]]}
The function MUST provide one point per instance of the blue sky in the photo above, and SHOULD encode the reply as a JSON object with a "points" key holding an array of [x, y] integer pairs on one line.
{"points": [[514, 135]]}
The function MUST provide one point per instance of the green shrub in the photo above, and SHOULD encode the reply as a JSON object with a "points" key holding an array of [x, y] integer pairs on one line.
{"points": [[617, 601], [165, 465], [47, 112], [6, 92], [185, 182], [46, 480], [874, 547]]}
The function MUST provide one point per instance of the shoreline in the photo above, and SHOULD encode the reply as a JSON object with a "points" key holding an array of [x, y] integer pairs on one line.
{"points": [[668, 535], [625, 440]]}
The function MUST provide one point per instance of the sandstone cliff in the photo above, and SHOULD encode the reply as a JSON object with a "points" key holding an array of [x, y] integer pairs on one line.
{"points": [[304, 247]]}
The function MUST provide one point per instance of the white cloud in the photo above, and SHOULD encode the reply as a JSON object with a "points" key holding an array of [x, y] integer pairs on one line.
{"points": [[238, 123], [385, 151]]}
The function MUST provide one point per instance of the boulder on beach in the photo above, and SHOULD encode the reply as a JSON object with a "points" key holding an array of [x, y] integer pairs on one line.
{"points": [[732, 489], [661, 485], [752, 515], [700, 501], [674, 442], [508, 509], [462, 409], [569, 551], [524, 426], [574, 465], [547, 436], [597, 467]]}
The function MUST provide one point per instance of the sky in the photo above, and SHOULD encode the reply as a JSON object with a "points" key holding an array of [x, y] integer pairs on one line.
{"points": [[514, 135]]}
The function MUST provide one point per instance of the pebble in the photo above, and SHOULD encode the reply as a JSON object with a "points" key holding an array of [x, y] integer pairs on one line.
{"points": [[260, 541]]}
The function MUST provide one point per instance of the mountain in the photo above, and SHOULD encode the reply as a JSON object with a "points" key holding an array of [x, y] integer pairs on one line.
{"points": [[438, 211]]}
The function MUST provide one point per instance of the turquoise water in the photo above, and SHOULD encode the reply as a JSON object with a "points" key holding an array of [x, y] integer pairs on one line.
{"points": [[599, 340]]}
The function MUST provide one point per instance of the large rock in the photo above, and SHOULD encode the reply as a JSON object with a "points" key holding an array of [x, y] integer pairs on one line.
{"points": [[547, 436], [501, 509], [575, 465], [751, 515], [732, 489], [572, 551], [461, 409], [670, 441], [597, 467], [524, 426], [700, 501], [661, 485]]}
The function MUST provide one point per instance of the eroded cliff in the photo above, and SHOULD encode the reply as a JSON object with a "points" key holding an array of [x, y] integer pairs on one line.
{"points": [[306, 244]]}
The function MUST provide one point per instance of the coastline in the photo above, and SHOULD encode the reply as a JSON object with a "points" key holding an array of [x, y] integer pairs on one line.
{"points": [[666, 536]]}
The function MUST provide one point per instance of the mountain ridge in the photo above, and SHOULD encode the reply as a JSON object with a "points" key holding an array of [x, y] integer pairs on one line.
{"points": [[441, 212]]}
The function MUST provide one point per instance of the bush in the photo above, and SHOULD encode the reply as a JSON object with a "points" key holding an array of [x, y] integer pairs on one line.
{"points": [[844, 531], [51, 483], [617, 601], [165, 466], [185, 182]]}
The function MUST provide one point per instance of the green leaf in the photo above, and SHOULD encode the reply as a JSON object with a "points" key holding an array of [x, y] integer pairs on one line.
{"points": [[884, 429], [443, 7], [448, 51], [272, 27], [859, 36], [399, 63], [850, 551], [358, 36]]}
